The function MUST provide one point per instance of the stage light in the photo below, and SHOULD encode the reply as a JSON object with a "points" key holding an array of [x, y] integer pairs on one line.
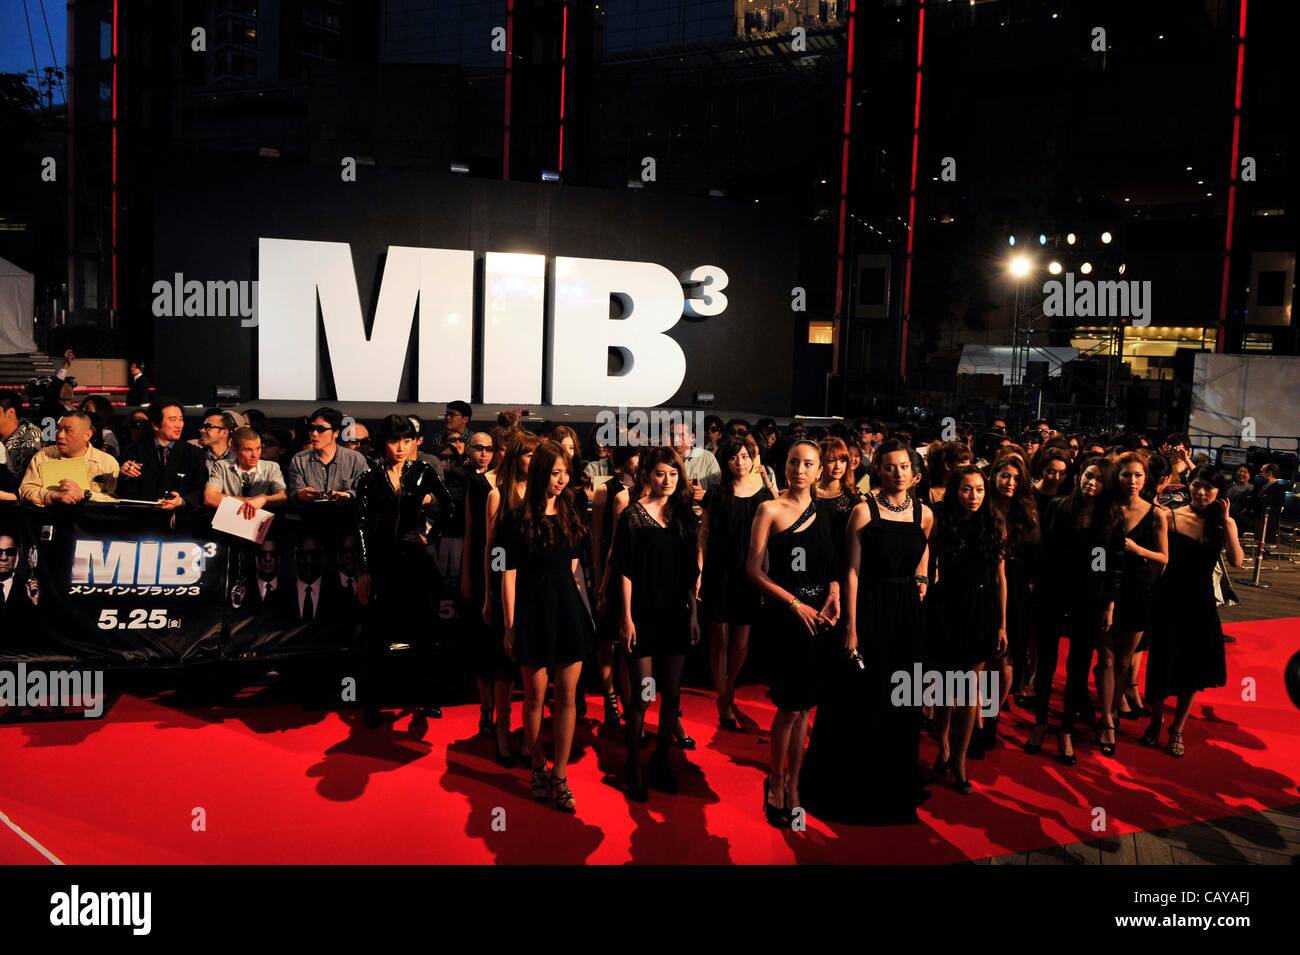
{"points": [[1054, 268], [1011, 240], [1020, 266], [1069, 238], [1105, 238], [1121, 268], [460, 168], [1189, 168], [1086, 268], [1042, 239], [549, 175]]}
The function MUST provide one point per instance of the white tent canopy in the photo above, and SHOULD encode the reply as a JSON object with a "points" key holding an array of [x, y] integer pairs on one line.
{"points": [[17, 309]]}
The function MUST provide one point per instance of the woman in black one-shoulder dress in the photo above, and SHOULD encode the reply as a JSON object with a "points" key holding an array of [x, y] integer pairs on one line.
{"points": [[801, 578], [1186, 653], [862, 758]]}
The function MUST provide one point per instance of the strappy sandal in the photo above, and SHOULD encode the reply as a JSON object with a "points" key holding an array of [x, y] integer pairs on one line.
{"points": [[1176, 748], [612, 720], [540, 784], [1107, 749], [561, 794]]}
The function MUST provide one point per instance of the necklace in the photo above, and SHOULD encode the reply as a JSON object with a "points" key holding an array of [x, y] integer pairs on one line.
{"points": [[896, 508]]}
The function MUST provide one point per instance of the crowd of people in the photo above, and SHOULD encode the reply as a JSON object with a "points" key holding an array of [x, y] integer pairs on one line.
{"points": [[864, 554]]}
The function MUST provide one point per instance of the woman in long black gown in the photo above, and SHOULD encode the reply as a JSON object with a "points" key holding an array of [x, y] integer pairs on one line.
{"points": [[656, 555], [862, 759], [1186, 653], [801, 578], [393, 586], [729, 601], [966, 612], [547, 629]]}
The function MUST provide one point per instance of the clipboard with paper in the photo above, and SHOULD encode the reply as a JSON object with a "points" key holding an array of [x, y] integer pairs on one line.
{"points": [[76, 470]]}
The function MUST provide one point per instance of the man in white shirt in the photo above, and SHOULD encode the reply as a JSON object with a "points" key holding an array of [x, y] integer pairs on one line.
{"points": [[702, 471], [256, 483]]}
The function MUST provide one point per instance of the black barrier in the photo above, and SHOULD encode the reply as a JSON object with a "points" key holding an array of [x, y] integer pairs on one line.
{"points": [[120, 585]]}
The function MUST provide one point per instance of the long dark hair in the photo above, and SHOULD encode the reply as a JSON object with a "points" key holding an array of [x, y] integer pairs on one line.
{"points": [[679, 513], [537, 532], [1022, 513], [1215, 528], [1106, 516], [960, 530]]}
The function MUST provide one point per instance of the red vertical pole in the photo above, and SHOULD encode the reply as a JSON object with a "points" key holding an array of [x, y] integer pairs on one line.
{"points": [[1221, 334]]}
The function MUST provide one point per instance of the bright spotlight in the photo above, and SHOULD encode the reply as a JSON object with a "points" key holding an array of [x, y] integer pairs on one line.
{"points": [[1105, 238], [1055, 268], [1070, 238], [1121, 268], [1020, 266], [1011, 240], [1042, 239], [1086, 268]]}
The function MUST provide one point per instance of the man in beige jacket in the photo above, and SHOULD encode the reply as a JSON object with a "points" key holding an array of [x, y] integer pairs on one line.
{"points": [[73, 442]]}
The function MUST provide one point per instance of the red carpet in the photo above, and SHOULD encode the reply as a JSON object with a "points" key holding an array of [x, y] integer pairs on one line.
{"points": [[281, 785]]}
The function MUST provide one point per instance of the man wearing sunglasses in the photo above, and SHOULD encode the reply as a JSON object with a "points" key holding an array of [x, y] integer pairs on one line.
{"points": [[215, 437], [325, 471], [17, 598]]}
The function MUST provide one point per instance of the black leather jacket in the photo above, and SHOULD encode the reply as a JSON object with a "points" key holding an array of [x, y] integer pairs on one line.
{"points": [[385, 517]]}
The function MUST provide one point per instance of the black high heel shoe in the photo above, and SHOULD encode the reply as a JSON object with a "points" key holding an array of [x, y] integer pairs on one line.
{"points": [[1068, 759], [634, 783], [1107, 749], [1032, 748], [685, 740], [962, 784], [939, 771], [777, 816]]}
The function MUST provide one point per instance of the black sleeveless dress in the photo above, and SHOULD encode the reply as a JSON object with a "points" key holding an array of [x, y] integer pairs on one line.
{"points": [[609, 625], [1134, 604], [861, 765], [962, 612], [727, 595], [807, 575], [1186, 653]]}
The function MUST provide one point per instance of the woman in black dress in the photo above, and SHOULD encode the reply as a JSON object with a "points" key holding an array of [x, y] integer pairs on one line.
{"points": [[547, 628], [861, 764], [1186, 653], [610, 500], [1083, 558], [966, 611], [729, 601], [505, 497], [1013, 499], [837, 495], [393, 585], [656, 555], [1146, 553], [801, 578]]}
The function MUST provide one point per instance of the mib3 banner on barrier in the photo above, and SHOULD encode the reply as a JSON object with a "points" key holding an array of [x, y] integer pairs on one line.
{"points": [[125, 586]]}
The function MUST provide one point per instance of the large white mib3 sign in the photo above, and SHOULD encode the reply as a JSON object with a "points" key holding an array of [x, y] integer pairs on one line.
{"points": [[522, 337]]}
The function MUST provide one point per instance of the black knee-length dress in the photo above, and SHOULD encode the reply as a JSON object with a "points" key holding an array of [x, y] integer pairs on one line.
{"points": [[1186, 653], [962, 610], [861, 765], [727, 595], [798, 653], [1134, 605], [552, 628], [663, 565]]}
